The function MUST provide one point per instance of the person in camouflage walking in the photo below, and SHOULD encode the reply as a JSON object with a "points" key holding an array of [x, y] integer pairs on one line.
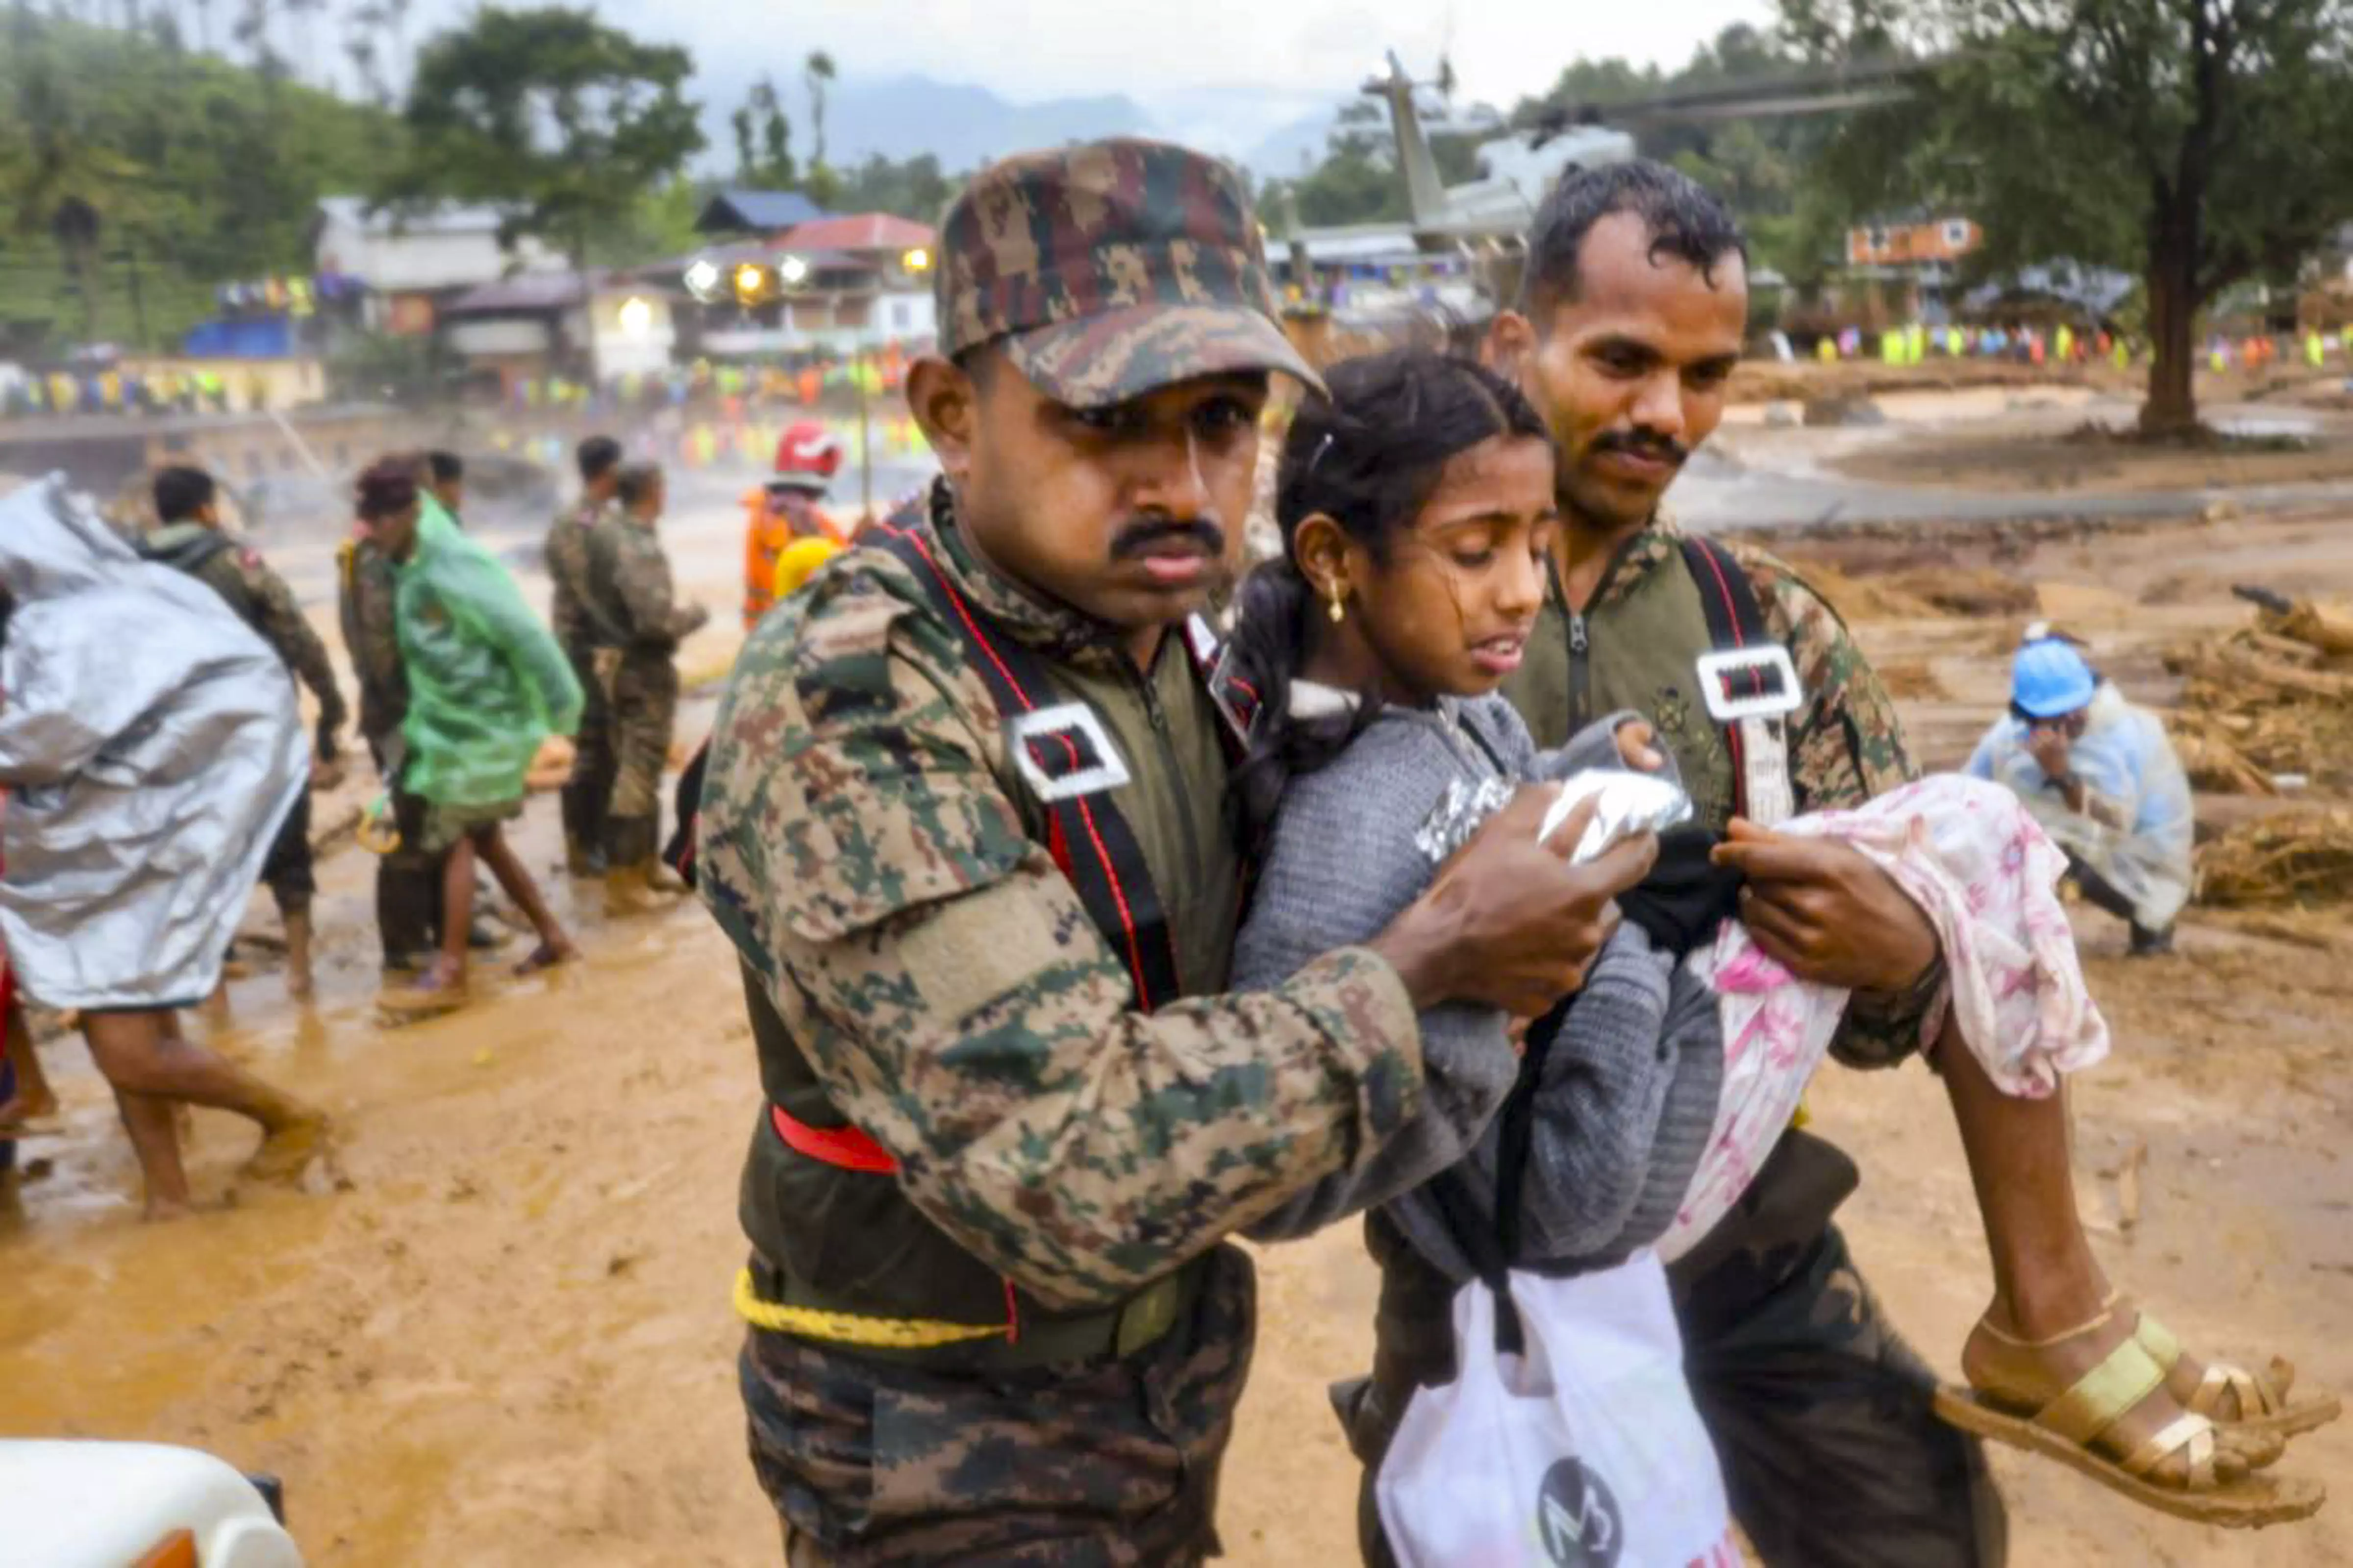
{"points": [[591, 785], [188, 536], [1633, 312], [627, 597], [963, 822]]}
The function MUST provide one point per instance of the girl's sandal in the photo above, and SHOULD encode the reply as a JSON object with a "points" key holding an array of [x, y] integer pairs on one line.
{"points": [[2262, 1400], [2014, 1405]]}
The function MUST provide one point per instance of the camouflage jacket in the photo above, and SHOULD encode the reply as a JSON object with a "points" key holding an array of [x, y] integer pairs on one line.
{"points": [[367, 582], [860, 844], [568, 571], [1846, 744], [262, 598], [627, 599]]}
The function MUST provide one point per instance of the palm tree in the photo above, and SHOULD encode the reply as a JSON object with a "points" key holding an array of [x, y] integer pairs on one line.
{"points": [[815, 74]]}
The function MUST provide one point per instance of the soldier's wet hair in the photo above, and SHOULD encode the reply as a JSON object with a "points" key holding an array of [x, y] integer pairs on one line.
{"points": [[635, 482], [181, 493], [596, 456], [1686, 222], [1369, 457], [386, 488], [448, 467]]}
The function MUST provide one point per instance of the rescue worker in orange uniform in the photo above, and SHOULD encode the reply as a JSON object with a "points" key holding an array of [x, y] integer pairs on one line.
{"points": [[785, 509]]}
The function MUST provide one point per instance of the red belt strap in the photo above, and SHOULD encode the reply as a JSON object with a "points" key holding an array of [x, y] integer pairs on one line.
{"points": [[845, 1147]]}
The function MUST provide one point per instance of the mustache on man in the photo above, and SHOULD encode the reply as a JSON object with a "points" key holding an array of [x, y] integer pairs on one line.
{"points": [[1143, 535], [1643, 443]]}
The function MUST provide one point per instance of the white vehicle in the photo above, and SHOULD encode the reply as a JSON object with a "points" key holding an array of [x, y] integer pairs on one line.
{"points": [[133, 1505]]}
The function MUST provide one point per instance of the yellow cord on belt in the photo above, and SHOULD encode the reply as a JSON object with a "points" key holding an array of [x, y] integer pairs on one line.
{"points": [[850, 1328]]}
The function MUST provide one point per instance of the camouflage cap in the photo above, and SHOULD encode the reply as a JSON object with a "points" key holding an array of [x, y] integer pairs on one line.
{"points": [[1110, 269]]}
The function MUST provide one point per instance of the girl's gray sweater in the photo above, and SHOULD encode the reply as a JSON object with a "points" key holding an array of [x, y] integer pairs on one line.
{"points": [[1629, 1091]]}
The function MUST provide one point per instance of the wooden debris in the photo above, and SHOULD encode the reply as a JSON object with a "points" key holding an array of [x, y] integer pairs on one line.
{"points": [[2291, 857]]}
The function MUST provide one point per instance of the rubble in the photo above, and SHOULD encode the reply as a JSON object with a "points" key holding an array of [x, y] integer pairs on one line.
{"points": [[2292, 857], [2270, 699]]}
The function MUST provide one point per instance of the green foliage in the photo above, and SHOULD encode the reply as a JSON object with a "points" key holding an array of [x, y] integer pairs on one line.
{"points": [[199, 172], [548, 114], [914, 189], [764, 141], [2196, 142], [658, 223]]}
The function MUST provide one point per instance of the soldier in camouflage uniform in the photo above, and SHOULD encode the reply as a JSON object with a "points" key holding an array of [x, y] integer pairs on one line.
{"points": [[188, 536], [1010, 1119], [591, 785], [1633, 310], [632, 614]]}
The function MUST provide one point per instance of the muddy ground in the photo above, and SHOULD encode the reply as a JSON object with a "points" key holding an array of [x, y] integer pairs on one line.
{"points": [[504, 1333]]}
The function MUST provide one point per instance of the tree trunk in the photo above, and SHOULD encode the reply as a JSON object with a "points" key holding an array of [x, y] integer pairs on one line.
{"points": [[2171, 408]]}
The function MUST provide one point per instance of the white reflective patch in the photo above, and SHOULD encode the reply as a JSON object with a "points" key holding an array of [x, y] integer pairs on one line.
{"points": [[1107, 773]]}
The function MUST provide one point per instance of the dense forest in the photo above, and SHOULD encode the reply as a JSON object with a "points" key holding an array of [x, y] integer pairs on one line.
{"points": [[137, 175]]}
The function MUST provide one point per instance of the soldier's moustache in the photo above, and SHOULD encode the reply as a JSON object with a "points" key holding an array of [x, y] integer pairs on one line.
{"points": [[1143, 535], [1640, 443]]}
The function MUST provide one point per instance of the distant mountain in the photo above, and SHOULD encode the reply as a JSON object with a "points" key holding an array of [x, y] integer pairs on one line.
{"points": [[1293, 147], [962, 125]]}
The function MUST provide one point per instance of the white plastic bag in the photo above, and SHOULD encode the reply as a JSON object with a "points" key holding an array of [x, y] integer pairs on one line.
{"points": [[1584, 1452]]}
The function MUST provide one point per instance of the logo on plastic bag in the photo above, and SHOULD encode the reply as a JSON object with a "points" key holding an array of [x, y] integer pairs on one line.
{"points": [[1578, 1517]]}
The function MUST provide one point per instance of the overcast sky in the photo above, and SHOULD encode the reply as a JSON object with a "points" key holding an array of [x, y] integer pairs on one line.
{"points": [[1038, 48], [1294, 50]]}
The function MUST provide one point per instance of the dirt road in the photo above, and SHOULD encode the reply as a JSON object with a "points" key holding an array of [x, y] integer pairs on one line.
{"points": [[506, 1336]]}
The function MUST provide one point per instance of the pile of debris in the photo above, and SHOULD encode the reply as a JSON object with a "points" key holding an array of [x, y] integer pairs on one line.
{"points": [[1924, 593], [2268, 707], [2291, 857]]}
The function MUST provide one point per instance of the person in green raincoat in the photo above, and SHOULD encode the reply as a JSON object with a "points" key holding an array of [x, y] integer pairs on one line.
{"points": [[486, 684]]}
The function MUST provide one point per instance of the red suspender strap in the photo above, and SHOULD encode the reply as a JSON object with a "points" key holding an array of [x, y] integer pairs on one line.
{"points": [[844, 1148], [1734, 620], [1086, 835]]}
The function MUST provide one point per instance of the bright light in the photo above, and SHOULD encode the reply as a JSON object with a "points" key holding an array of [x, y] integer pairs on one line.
{"points": [[917, 260], [792, 269], [702, 278], [637, 317], [751, 281]]}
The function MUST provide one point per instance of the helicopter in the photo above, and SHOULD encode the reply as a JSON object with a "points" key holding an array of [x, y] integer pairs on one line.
{"points": [[1475, 230]]}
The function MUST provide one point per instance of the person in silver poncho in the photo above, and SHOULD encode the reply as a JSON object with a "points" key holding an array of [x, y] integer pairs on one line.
{"points": [[151, 744]]}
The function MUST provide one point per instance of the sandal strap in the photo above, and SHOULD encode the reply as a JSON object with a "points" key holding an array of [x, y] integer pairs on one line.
{"points": [[2159, 1341], [2102, 1396], [2107, 1308], [2193, 1434], [2255, 1397]]}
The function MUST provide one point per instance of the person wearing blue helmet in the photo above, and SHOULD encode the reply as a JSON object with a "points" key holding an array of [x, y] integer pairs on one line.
{"points": [[2101, 776]]}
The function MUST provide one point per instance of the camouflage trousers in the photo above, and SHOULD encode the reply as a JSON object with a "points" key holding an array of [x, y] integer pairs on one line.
{"points": [[586, 792], [1104, 1464], [643, 715]]}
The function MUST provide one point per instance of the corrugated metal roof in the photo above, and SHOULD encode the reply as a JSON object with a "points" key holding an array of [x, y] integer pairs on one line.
{"points": [[766, 211]]}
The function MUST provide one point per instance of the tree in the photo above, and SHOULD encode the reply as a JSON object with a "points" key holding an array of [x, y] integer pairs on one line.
{"points": [[2198, 143], [196, 177], [915, 189], [764, 141], [815, 74], [555, 118]]}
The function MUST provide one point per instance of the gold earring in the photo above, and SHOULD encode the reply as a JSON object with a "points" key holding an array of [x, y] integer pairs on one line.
{"points": [[1339, 610]]}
